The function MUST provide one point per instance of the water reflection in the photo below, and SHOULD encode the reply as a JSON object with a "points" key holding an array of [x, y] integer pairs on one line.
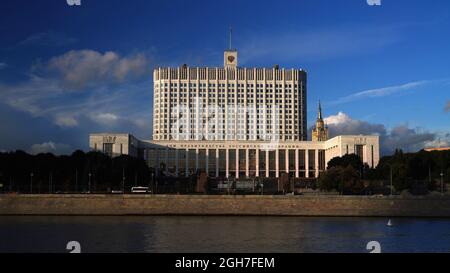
{"points": [[221, 234]]}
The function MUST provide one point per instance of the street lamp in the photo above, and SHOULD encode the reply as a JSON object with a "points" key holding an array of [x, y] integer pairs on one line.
{"points": [[89, 186], [31, 182], [442, 182]]}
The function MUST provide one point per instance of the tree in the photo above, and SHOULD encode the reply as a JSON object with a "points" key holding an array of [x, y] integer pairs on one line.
{"points": [[346, 180], [350, 159], [69, 173], [351, 181], [329, 180]]}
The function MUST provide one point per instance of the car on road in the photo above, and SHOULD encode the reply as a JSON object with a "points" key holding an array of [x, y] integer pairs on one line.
{"points": [[140, 190]]}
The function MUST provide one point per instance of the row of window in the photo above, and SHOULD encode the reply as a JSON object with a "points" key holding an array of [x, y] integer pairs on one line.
{"points": [[181, 160], [249, 85]]}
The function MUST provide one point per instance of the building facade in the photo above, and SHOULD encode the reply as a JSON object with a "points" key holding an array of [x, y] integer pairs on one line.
{"points": [[229, 103], [235, 122], [243, 159]]}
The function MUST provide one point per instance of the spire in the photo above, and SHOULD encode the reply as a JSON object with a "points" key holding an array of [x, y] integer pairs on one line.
{"points": [[320, 111], [320, 133], [230, 54], [231, 35]]}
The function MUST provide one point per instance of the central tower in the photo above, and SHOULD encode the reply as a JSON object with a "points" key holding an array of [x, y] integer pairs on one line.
{"points": [[230, 56]]}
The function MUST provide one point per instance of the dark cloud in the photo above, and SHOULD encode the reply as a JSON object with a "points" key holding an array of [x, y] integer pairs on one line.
{"points": [[399, 137], [447, 107], [408, 139]]}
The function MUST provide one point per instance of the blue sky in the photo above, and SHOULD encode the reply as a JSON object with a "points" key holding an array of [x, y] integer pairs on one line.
{"points": [[66, 71]]}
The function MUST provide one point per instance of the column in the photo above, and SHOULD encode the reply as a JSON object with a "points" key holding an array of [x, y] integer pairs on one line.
{"points": [[196, 160], [217, 162], [247, 158], [257, 162], [237, 162], [306, 163], [267, 163], [207, 161], [316, 157], [287, 160], [277, 162], [297, 175], [187, 163], [227, 158]]}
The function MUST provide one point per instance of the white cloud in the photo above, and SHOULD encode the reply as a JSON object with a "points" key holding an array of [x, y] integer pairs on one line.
{"points": [[440, 142], [66, 121], [399, 137], [379, 92], [31, 95], [46, 94], [50, 147], [343, 124], [81, 68], [340, 118], [105, 118]]}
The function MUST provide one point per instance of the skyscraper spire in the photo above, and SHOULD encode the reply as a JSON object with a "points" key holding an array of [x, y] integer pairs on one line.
{"points": [[320, 133]]}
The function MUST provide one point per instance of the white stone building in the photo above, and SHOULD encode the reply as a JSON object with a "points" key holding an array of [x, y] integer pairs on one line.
{"points": [[229, 103], [234, 122]]}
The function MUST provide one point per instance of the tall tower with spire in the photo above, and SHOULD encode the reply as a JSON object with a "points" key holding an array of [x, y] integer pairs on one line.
{"points": [[230, 56], [320, 132]]}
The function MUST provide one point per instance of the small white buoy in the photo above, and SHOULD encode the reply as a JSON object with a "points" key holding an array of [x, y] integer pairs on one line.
{"points": [[389, 224]]}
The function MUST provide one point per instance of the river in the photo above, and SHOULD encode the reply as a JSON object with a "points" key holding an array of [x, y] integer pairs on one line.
{"points": [[167, 234]]}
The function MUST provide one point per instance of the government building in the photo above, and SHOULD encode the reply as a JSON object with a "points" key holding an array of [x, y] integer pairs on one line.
{"points": [[235, 122]]}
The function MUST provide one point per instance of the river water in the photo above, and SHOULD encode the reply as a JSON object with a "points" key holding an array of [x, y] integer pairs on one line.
{"points": [[169, 234]]}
